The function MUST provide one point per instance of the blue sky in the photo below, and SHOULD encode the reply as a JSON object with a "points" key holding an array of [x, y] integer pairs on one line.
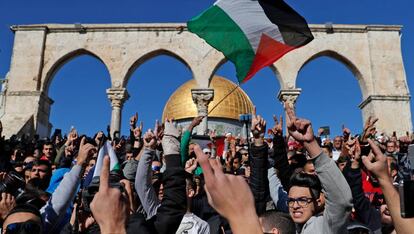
{"points": [[330, 92]]}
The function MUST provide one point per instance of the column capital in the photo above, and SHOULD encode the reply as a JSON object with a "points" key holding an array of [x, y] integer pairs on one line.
{"points": [[289, 95], [117, 96], [202, 97]]}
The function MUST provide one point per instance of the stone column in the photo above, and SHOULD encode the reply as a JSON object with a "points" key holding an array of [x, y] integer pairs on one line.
{"points": [[117, 97], [393, 111], [289, 95], [202, 97]]}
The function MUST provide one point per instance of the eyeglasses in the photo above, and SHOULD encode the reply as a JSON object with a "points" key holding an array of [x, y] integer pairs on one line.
{"points": [[302, 201], [24, 227]]}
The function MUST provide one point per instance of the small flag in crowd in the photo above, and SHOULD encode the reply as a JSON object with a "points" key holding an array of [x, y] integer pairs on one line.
{"points": [[251, 33], [106, 149]]}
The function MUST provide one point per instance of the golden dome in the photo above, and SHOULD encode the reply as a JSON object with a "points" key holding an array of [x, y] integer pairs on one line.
{"points": [[181, 106]]}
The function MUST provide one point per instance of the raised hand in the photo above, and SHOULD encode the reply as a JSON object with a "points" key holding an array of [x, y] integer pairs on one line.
{"points": [[355, 153], [110, 201], [376, 162], [369, 128], [196, 121], [300, 129], [85, 151], [150, 141], [226, 192], [170, 142], [258, 126], [170, 129], [158, 130], [133, 120], [278, 126], [99, 137], [190, 165], [138, 131], [73, 136]]}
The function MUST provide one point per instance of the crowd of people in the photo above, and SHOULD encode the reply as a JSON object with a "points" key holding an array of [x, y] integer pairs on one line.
{"points": [[162, 181]]}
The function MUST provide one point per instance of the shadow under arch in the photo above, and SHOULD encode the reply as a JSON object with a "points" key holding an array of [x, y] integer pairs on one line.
{"points": [[59, 63], [150, 55], [225, 60], [342, 59]]}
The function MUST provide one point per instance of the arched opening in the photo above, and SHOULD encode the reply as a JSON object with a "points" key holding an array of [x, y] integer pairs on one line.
{"points": [[78, 86], [330, 94], [262, 90], [160, 73]]}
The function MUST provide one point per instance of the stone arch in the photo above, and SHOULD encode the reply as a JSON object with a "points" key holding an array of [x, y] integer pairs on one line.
{"points": [[371, 52], [60, 62], [224, 60], [150, 55], [342, 59]]}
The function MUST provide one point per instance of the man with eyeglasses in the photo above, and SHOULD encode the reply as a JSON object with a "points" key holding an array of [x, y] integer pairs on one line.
{"points": [[304, 194]]}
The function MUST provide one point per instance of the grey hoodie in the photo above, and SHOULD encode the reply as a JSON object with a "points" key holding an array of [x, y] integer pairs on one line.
{"points": [[338, 200]]}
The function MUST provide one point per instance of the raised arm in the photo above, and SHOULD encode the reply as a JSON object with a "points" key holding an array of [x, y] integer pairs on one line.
{"points": [[186, 137], [143, 183], [377, 164], [65, 192], [277, 193], [259, 183], [173, 204], [365, 212], [337, 192]]}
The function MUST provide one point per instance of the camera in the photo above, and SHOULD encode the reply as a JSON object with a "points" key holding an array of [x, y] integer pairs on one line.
{"points": [[89, 193], [13, 184], [406, 189]]}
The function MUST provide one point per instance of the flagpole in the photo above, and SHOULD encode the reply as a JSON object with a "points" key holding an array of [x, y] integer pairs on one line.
{"points": [[227, 95]]}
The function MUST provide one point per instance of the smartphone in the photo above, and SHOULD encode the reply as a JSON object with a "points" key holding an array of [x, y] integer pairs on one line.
{"points": [[326, 131]]}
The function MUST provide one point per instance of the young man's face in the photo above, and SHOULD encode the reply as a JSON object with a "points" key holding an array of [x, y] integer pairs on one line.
{"points": [[39, 171], [309, 168], [301, 212], [48, 151]]}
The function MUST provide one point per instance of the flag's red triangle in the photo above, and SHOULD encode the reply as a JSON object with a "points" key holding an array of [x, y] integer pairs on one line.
{"points": [[269, 51]]}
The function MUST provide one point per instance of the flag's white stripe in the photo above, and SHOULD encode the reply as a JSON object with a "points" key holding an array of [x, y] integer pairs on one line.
{"points": [[106, 149], [252, 20]]}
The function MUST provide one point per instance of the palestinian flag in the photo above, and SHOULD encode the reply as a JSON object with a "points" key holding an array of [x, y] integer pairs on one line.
{"points": [[251, 33], [106, 149]]}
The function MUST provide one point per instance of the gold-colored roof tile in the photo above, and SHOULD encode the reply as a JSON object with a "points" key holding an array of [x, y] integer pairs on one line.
{"points": [[181, 106]]}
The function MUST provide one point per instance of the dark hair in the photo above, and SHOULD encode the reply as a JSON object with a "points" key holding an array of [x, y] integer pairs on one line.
{"points": [[328, 147], [48, 143], [308, 181], [40, 162], [342, 159], [26, 208], [273, 219]]}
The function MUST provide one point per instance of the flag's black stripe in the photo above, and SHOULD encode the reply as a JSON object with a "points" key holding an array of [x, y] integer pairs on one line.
{"points": [[294, 28]]}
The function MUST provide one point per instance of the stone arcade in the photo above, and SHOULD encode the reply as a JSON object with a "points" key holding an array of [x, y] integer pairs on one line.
{"points": [[371, 52]]}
